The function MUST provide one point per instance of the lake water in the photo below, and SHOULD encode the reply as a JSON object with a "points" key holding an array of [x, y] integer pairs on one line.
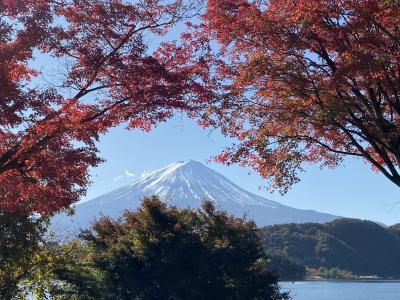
{"points": [[343, 290]]}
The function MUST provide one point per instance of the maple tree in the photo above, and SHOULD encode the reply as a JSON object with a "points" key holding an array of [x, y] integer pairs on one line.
{"points": [[110, 76], [305, 81]]}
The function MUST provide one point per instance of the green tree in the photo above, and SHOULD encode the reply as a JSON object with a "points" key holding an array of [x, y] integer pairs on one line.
{"points": [[21, 253], [285, 267], [162, 252]]}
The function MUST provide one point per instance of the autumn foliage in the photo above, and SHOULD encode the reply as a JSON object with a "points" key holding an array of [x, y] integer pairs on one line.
{"points": [[295, 81], [304, 82], [108, 76]]}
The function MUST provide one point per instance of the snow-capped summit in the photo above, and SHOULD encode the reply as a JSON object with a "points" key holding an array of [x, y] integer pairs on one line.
{"points": [[187, 184]]}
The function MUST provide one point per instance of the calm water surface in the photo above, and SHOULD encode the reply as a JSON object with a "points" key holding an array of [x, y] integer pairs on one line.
{"points": [[343, 290]]}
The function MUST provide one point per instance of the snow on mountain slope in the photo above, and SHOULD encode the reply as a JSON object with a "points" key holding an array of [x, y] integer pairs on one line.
{"points": [[187, 184]]}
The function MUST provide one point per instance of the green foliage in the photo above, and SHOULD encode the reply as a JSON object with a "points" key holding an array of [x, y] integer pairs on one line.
{"points": [[334, 273], [286, 268], [21, 239], [361, 247], [162, 252]]}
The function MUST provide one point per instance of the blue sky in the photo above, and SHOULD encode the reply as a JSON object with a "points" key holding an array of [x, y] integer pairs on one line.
{"points": [[352, 190]]}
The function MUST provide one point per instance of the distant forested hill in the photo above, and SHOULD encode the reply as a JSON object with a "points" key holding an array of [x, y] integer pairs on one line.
{"points": [[361, 247], [395, 229]]}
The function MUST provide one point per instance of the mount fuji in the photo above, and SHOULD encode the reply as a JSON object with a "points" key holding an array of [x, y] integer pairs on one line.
{"points": [[186, 184]]}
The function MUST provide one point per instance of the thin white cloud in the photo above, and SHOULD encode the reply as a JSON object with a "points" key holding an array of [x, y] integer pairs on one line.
{"points": [[129, 174], [125, 175], [118, 178]]}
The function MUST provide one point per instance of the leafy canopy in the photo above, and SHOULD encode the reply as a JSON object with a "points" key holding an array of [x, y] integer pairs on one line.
{"points": [[162, 252], [108, 76], [305, 81], [22, 255]]}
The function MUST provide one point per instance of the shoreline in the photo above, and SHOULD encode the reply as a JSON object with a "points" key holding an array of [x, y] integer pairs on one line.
{"points": [[341, 280]]}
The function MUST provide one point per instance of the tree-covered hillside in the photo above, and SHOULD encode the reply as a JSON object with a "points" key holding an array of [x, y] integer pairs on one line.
{"points": [[395, 229], [361, 247]]}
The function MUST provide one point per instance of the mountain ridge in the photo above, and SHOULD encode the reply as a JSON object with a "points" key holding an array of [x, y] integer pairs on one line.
{"points": [[360, 246], [187, 184]]}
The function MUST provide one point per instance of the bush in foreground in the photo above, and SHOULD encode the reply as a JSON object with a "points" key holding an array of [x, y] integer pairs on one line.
{"points": [[162, 252]]}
